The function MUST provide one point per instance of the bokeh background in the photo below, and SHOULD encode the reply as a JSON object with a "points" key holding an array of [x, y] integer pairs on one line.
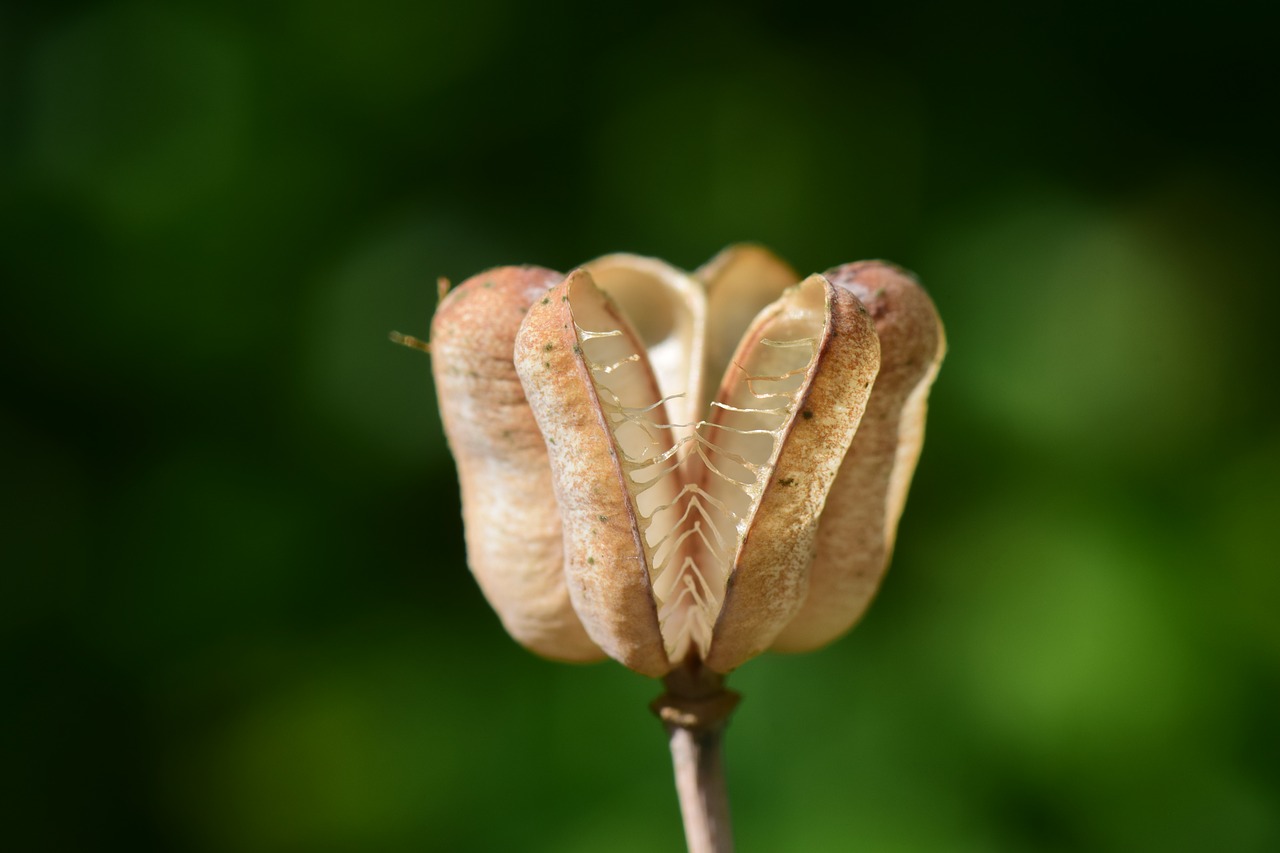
{"points": [[235, 613]]}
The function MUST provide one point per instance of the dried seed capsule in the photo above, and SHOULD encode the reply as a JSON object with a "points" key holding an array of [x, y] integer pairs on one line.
{"points": [[858, 526], [686, 525], [685, 539], [513, 531]]}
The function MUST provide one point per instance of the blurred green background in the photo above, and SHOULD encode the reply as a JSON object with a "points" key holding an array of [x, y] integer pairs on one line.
{"points": [[235, 612]]}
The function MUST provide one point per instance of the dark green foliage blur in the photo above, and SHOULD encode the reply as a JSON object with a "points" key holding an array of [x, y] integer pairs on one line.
{"points": [[235, 615]]}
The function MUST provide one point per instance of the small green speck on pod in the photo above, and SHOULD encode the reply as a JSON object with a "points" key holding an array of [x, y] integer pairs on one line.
{"points": [[807, 414], [548, 347], [602, 518], [577, 350], [552, 440], [564, 298], [787, 481], [591, 561], [546, 300], [547, 365], [488, 284]]}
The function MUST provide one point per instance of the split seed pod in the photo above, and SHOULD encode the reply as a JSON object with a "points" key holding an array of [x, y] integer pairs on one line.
{"points": [[696, 518]]}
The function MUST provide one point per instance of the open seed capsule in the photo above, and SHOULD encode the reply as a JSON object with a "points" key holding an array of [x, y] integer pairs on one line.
{"points": [[693, 537], [619, 500]]}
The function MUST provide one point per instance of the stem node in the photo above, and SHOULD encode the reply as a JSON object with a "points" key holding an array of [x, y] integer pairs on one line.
{"points": [[695, 710]]}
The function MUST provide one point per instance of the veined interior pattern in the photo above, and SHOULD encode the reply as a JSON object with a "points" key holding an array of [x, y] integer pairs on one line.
{"points": [[695, 486], [668, 311]]}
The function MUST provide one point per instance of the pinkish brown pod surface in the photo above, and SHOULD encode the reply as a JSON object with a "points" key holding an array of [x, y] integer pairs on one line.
{"points": [[729, 451]]}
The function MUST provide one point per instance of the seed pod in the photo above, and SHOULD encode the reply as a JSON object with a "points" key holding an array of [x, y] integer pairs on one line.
{"points": [[513, 531], [690, 524], [682, 539], [857, 530]]}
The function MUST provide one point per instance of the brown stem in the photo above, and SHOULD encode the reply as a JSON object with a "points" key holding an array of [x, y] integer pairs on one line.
{"points": [[695, 710]]}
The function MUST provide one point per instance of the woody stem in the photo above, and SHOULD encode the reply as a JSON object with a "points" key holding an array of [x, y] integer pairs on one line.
{"points": [[695, 710]]}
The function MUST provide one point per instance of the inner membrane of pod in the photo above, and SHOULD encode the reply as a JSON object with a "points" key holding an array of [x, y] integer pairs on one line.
{"points": [[695, 473]]}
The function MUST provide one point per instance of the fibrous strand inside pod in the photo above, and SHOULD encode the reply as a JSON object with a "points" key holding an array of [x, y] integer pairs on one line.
{"points": [[695, 486]]}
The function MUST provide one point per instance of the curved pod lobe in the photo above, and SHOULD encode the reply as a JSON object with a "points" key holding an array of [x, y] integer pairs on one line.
{"points": [[513, 531], [857, 530], [605, 561], [668, 311], [769, 581]]}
